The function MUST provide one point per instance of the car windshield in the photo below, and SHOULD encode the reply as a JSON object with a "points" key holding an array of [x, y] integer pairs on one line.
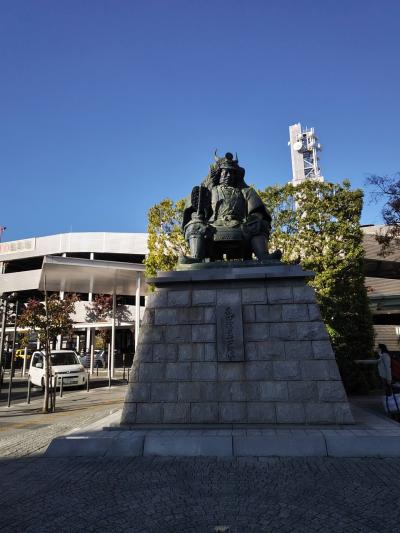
{"points": [[64, 358]]}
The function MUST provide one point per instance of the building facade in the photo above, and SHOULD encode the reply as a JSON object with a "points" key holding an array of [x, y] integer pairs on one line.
{"points": [[21, 267]]}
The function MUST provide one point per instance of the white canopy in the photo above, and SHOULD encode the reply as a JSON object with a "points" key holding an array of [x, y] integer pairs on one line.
{"points": [[70, 274]]}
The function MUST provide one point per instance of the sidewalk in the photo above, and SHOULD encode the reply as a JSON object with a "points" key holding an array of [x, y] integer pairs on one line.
{"points": [[373, 435], [26, 431]]}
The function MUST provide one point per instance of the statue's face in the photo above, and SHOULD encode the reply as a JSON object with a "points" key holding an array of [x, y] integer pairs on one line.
{"points": [[227, 177]]}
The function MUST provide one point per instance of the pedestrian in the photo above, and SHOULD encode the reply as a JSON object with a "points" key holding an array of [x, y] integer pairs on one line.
{"points": [[385, 368]]}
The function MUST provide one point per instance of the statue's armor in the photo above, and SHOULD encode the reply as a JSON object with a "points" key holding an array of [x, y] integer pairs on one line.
{"points": [[228, 206], [226, 212]]}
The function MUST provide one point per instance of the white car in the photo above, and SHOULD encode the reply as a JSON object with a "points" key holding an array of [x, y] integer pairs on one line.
{"points": [[64, 363]]}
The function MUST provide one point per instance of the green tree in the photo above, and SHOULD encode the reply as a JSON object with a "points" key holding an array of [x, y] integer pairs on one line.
{"points": [[165, 238], [318, 224], [48, 319]]}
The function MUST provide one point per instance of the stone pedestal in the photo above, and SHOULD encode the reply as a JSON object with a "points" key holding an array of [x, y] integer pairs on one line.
{"points": [[235, 346]]}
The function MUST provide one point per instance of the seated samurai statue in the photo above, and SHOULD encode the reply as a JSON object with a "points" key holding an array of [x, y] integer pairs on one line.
{"points": [[225, 217]]}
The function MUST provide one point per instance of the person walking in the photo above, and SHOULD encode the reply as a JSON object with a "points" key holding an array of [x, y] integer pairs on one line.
{"points": [[385, 368]]}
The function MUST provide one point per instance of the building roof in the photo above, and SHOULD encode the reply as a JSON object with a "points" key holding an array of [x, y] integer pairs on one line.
{"points": [[96, 242]]}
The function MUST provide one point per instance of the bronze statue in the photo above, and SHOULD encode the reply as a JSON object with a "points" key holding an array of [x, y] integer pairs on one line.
{"points": [[224, 216]]}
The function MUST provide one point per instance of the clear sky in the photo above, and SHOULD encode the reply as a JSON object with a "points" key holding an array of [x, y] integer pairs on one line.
{"points": [[108, 106]]}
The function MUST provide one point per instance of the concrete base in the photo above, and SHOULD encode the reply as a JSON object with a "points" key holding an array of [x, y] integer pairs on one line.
{"points": [[372, 436]]}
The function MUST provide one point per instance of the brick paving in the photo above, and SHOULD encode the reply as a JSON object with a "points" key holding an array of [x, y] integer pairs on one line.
{"points": [[167, 495]]}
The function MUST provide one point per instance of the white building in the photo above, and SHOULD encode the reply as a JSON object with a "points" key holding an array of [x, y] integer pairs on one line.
{"points": [[84, 263]]}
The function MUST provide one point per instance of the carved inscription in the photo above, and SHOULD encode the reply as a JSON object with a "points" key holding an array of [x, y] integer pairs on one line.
{"points": [[230, 333]]}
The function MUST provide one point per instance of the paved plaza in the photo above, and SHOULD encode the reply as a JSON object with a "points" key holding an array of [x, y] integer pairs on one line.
{"points": [[200, 495], [164, 494]]}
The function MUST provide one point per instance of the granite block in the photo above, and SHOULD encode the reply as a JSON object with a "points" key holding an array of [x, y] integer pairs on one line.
{"points": [[204, 297], [283, 330], [205, 412], [140, 392], [197, 392], [311, 331], [254, 295], [286, 370], [150, 334], [322, 350], [203, 333], [164, 392], [331, 391], [229, 297], [230, 412], [273, 390], [294, 312], [165, 352], [149, 413], [302, 390], [320, 413], [180, 298], [176, 413], [178, 371], [256, 332], [204, 371], [290, 413], [258, 370], [178, 333], [210, 351], [268, 313], [144, 352], [278, 294], [166, 316], [231, 371], [298, 350], [232, 391], [209, 315], [191, 352], [304, 294], [261, 412], [156, 299], [315, 370], [269, 350], [313, 312], [151, 372], [249, 313], [343, 414]]}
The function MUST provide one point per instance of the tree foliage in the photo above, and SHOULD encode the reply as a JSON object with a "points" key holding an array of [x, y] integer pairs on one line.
{"points": [[388, 188], [165, 238], [48, 319], [59, 317], [318, 224]]}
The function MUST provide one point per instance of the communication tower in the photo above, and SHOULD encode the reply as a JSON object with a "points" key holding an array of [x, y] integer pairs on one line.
{"points": [[304, 147]]}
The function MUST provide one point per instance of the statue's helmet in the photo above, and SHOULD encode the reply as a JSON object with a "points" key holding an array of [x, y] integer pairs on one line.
{"points": [[227, 162]]}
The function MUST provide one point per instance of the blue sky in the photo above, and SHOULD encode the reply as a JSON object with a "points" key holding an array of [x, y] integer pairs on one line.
{"points": [[108, 106]]}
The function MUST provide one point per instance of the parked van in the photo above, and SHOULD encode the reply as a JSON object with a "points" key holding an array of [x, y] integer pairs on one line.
{"points": [[64, 363]]}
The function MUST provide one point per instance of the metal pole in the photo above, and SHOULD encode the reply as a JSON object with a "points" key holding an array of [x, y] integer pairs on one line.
{"points": [[12, 356], [28, 398], [123, 363], [24, 365], [3, 332], [114, 305], [88, 382], [109, 361], [91, 351], [137, 309], [61, 386]]}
